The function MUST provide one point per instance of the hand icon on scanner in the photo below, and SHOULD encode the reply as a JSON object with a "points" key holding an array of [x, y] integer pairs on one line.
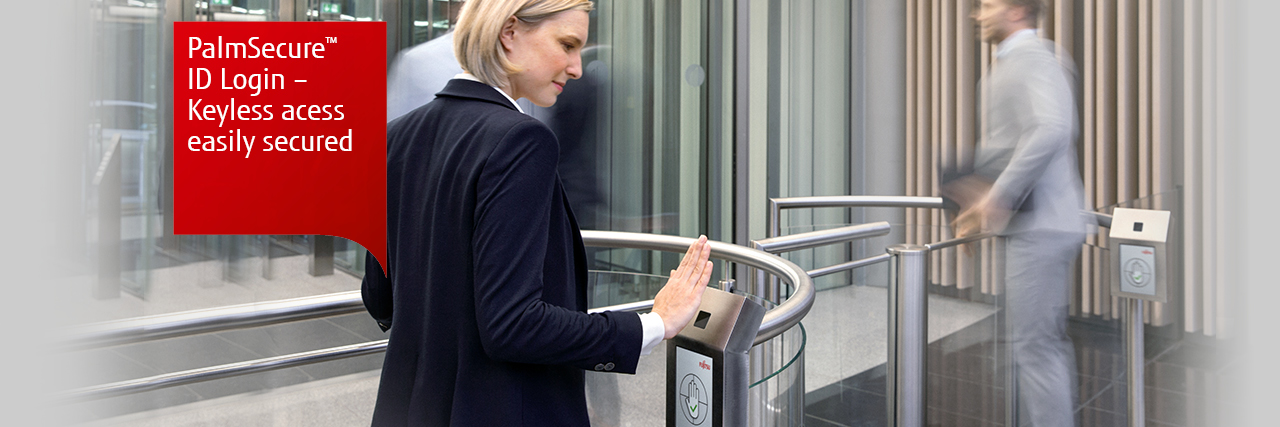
{"points": [[691, 399], [696, 400]]}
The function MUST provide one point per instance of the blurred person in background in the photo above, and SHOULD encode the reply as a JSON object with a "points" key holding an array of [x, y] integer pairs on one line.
{"points": [[1025, 186], [419, 72]]}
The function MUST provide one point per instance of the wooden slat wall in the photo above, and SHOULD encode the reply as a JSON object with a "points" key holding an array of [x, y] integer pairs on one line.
{"points": [[1129, 140]]}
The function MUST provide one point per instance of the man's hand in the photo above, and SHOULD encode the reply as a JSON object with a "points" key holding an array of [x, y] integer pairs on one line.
{"points": [[679, 299], [984, 217]]}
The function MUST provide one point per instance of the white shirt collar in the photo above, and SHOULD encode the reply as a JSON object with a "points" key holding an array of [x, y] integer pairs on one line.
{"points": [[1008, 42], [469, 76]]}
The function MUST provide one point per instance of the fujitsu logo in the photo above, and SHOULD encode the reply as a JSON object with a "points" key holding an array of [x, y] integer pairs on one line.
{"points": [[1147, 252], [704, 365]]}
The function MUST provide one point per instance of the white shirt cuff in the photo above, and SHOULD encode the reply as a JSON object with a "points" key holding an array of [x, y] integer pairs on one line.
{"points": [[654, 330]]}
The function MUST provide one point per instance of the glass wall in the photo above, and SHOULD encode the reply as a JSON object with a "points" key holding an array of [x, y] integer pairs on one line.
{"points": [[801, 135], [652, 135], [642, 134]]}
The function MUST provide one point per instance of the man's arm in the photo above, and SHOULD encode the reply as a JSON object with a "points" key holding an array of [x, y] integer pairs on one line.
{"points": [[1044, 113], [1046, 121]]}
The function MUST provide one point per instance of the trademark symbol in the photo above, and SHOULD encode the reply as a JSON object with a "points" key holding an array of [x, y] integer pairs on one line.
{"points": [[330, 39]]}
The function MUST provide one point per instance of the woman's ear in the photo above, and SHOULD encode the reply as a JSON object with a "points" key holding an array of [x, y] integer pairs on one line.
{"points": [[508, 34]]}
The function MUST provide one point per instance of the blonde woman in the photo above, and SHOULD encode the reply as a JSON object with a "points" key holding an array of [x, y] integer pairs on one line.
{"points": [[486, 293]]}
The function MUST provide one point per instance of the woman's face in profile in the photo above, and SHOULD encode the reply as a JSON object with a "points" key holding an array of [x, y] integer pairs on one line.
{"points": [[548, 53]]}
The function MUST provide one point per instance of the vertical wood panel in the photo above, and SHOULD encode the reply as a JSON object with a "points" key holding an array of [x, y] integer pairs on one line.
{"points": [[1126, 99], [988, 247], [965, 106], [1064, 25], [913, 46], [1162, 96], [1107, 134], [947, 140], [1144, 99], [1156, 312], [1220, 167], [1193, 285], [923, 19], [1088, 133], [935, 149]]}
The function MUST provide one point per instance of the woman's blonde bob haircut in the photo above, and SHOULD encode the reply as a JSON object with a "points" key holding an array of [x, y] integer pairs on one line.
{"points": [[476, 38]]}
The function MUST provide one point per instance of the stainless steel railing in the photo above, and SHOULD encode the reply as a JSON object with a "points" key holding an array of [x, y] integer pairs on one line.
{"points": [[260, 365], [195, 322], [776, 320]]}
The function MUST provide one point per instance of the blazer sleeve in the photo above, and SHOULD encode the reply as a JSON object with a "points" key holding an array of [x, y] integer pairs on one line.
{"points": [[376, 291], [512, 217], [1045, 116]]}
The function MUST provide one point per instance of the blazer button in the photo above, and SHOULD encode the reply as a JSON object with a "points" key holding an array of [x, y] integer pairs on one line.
{"points": [[599, 366], [608, 366]]}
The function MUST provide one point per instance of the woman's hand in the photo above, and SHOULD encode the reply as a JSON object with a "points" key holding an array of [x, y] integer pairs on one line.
{"points": [[679, 299]]}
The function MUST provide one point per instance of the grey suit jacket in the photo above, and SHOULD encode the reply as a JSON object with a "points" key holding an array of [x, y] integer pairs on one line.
{"points": [[1030, 138]]}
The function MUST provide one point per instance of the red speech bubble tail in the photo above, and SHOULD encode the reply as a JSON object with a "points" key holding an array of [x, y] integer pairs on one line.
{"points": [[374, 239]]}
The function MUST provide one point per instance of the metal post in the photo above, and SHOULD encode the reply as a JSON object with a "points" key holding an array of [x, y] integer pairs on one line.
{"points": [[741, 127], [1133, 343], [266, 256], [729, 285], [321, 261], [908, 335]]}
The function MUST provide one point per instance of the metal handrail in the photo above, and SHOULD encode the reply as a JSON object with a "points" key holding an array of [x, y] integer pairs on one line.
{"points": [[777, 319], [148, 328], [191, 376], [813, 239], [777, 205], [957, 241], [222, 371], [819, 272], [1103, 220]]}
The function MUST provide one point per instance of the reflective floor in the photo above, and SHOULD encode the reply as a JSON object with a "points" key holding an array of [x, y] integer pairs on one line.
{"points": [[1183, 380]]}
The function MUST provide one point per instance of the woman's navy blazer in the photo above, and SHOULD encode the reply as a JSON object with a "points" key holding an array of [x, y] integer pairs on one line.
{"points": [[487, 294]]}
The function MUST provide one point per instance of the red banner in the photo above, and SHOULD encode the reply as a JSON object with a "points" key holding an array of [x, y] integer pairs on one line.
{"points": [[280, 128]]}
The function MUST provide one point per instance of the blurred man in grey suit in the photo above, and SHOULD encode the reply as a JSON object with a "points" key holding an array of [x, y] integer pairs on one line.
{"points": [[1034, 199]]}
